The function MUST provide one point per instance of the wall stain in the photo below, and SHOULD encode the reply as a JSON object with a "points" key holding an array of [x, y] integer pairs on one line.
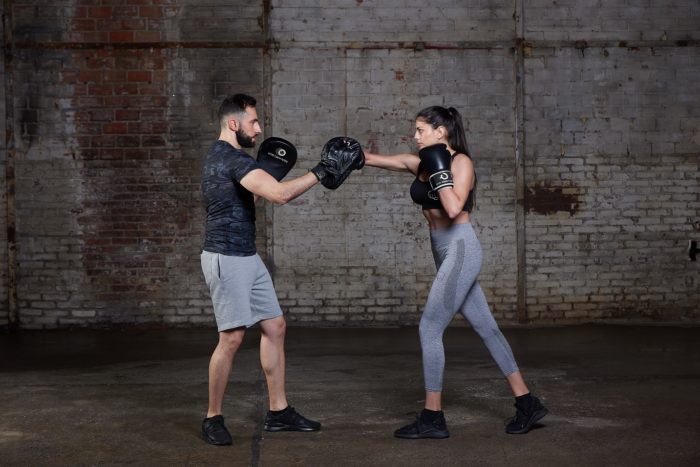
{"points": [[542, 198]]}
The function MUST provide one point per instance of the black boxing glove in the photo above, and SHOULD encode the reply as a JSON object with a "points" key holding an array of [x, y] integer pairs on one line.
{"points": [[436, 160], [277, 156]]}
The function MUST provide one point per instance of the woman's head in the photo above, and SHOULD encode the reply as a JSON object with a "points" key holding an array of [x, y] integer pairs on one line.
{"points": [[438, 124]]}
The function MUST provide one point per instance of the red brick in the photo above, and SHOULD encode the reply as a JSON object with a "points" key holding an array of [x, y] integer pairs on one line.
{"points": [[160, 76], [147, 36], [90, 76], [159, 127], [124, 114], [102, 141], [126, 88], [78, 25], [97, 36], [124, 62], [152, 114], [151, 89], [153, 63], [155, 24], [133, 24], [128, 141], [100, 89], [69, 76], [101, 115], [151, 12], [114, 128], [114, 76], [125, 11], [151, 141], [100, 12], [139, 76], [136, 153], [121, 36], [139, 127], [97, 62], [111, 153]]}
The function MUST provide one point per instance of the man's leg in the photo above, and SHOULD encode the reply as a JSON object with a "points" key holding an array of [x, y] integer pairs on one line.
{"points": [[272, 360], [281, 416], [213, 427], [220, 367]]}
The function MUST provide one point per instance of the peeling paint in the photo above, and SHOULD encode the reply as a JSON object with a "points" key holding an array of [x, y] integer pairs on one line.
{"points": [[545, 199]]}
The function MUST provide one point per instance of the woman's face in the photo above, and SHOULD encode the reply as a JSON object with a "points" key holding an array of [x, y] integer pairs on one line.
{"points": [[426, 135]]}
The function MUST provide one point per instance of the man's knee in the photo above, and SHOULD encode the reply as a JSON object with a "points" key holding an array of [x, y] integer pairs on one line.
{"points": [[275, 328], [231, 340]]}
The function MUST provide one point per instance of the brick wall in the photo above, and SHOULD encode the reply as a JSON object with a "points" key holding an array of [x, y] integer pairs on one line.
{"points": [[115, 102], [3, 201]]}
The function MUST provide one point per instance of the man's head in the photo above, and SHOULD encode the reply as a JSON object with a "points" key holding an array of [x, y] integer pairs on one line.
{"points": [[238, 118]]}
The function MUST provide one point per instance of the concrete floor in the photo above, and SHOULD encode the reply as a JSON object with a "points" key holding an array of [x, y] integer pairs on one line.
{"points": [[617, 394]]}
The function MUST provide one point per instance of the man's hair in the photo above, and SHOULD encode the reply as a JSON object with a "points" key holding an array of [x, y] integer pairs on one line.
{"points": [[235, 104]]}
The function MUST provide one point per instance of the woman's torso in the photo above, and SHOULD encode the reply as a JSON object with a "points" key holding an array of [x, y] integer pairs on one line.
{"points": [[436, 216]]}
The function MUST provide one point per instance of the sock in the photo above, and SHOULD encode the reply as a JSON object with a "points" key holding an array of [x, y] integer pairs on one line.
{"points": [[429, 416], [525, 400], [279, 412]]}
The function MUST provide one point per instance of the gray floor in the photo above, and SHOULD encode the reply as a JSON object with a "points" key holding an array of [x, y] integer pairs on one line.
{"points": [[618, 395]]}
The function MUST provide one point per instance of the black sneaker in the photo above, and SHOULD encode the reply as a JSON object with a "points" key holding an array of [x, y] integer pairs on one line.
{"points": [[215, 431], [437, 429], [526, 415], [289, 420]]}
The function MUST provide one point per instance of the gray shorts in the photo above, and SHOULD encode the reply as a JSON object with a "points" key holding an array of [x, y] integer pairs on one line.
{"points": [[241, 290]]}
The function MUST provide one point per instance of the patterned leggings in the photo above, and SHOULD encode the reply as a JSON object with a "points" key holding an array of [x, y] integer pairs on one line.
{"points": [[458, 256]]}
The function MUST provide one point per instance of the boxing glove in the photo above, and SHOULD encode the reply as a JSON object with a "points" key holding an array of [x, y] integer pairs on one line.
{"points": [[436, 160], [277, 156]]}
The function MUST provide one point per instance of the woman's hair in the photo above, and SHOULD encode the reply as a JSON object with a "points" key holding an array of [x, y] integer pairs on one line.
{"points": [[451, 119]]}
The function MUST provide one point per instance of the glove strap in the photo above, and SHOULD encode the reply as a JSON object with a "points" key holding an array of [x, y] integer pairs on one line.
{"points": [[319, 171], [441, 179]]}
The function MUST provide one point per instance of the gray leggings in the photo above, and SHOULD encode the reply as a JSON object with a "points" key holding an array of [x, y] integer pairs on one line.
{"points": [[458, 255]]}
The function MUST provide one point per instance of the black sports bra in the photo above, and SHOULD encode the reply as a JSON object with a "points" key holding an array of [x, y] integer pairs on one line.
{"points": [[428, 199]]}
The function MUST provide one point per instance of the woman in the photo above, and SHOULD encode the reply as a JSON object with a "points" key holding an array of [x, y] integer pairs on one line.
{"points": [[445, 188]]}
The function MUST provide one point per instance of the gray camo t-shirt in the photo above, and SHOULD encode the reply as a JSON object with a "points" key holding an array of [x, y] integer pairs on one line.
{"points": [[230, 228]]}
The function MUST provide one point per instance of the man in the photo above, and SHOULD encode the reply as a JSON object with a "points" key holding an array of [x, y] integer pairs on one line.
{"points": [[241, 288]]}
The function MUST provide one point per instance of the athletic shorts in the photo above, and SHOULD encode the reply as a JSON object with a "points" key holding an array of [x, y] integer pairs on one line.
{"points": [[241, 290]]}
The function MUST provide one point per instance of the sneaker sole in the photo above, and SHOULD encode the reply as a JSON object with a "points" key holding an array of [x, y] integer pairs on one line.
{"points": [[430, 435], [536, 417], [289, 428], [217, 443]]}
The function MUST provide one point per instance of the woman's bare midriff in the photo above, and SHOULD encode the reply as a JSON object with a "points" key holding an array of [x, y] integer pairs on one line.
{"points": [[438, 218]]}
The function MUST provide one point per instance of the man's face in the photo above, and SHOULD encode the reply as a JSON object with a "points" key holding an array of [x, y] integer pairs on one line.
{"points": [[248, 128]]}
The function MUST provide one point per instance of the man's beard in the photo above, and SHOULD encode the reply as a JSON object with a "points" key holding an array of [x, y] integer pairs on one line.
{"points": [[244, 140]]}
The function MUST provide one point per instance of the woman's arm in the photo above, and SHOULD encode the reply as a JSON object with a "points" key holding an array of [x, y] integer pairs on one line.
{"points": [[397, 162], [453, 198]]}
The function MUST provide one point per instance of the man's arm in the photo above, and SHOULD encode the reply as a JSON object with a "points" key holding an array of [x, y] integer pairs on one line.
{"points": [[264, 185]]}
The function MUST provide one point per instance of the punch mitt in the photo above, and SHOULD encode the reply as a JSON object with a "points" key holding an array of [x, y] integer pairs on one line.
{"points": [[277, 156], [339, 156]]}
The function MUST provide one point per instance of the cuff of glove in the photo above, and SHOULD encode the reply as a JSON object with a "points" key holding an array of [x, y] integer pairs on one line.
{"points": [[319, 171], [440, 180]]}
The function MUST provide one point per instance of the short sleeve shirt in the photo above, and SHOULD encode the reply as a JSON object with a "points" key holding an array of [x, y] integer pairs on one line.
{"points": [[230, 228]]}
